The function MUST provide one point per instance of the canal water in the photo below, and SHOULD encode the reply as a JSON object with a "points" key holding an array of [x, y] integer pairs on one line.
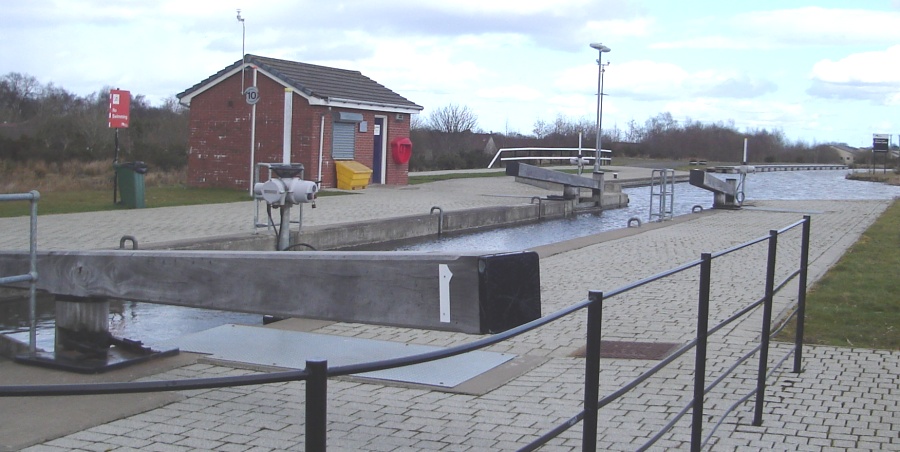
{"points": [[782, 185], [152, 323]]}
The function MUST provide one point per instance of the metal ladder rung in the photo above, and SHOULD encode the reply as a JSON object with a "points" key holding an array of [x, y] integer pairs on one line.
{"points": [[662, 194]]}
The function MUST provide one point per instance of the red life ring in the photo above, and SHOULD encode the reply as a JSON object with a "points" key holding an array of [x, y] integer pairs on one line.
{"points": [[401, 150]]}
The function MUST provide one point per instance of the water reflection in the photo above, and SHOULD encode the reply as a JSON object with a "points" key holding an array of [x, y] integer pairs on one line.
{"points": [[147, 322]]}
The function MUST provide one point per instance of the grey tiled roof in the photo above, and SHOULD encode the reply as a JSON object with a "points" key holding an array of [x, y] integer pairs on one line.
{"points": [[845, 148], [318, 81]]}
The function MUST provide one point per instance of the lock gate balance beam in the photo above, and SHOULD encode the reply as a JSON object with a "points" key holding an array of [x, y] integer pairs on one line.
{"points": [[469, 293], [724, 192], [533, 172], [571, 183]]}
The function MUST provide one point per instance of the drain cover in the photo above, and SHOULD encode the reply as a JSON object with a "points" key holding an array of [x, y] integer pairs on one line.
{"points": [[632, 350]]}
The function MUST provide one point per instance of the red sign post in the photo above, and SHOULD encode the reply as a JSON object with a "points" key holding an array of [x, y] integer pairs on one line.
{"points": [[119, 106]]}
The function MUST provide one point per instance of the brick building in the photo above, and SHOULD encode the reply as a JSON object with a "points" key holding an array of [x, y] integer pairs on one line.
{"points": [[336, 115]]}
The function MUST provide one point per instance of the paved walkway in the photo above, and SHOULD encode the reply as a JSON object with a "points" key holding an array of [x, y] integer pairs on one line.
{"points": [[98, 230], [845, 399]]}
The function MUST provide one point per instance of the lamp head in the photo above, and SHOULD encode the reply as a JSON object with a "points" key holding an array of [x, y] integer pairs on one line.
{"points": [[600, 47]]}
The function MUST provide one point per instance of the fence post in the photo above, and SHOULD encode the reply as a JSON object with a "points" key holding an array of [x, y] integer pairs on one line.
{"points": [[700, 355], [801, 295], [592, 372], [316, 404], [766, 330], [32, 269]]}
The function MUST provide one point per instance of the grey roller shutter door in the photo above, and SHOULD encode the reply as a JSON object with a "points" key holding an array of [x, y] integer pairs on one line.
{"points": [[344, 140]]}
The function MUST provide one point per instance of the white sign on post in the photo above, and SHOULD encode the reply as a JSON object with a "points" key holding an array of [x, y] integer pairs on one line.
{"points": [[251, 95]]}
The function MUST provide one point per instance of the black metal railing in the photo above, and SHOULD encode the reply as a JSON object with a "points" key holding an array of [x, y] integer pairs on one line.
{"points": [[317, 372]]}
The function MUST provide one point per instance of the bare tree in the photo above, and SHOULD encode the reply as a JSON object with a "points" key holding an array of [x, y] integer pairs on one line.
{"points": [[563, 131], [18, 95], [541, 128], [416, 122], [660, 124], [635, 132], [613, 135], [453, 119]]}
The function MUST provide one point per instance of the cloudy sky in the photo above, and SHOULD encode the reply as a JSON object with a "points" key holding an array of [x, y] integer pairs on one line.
{"points": [[820, 71]]}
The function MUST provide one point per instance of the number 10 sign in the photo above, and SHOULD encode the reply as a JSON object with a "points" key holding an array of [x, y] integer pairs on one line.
{"points": [[251, 95]]}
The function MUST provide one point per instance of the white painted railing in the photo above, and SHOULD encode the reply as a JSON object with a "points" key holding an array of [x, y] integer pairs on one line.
{"points": [[584, 153]]}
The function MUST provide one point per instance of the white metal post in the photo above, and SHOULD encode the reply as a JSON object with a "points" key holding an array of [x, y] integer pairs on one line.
{"points": [[288, 118], [253, 140]]}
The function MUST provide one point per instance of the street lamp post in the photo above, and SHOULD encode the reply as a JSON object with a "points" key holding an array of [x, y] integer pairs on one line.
{"points": [[243, 51], [601, 49]]}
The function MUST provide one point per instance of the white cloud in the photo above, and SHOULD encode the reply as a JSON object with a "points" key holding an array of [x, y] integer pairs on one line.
{"points": [[729, 84], [809, 26], [436, 71], [714, 42], [513, 62], [639, 79], [519, 7], [868, 75], [893, 100], [651, 80], [647, 80], [574, 105], [751, 114], [822, 26], [514, 92], [882, 67], [620, 28]]}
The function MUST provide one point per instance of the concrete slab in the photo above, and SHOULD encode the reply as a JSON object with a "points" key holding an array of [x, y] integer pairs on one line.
{"points": [[25, 421], [291, 349]]}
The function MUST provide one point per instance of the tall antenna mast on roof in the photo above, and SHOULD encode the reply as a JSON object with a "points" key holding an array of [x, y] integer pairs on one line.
{"points": [[243, 44]]}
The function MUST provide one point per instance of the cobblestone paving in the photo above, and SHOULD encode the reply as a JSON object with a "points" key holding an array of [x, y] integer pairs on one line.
{"points": [[96, 230], [845, 399]]}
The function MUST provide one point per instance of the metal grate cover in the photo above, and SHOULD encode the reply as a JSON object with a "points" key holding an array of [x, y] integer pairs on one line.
{"points": [[291, 349], [632, 350]]}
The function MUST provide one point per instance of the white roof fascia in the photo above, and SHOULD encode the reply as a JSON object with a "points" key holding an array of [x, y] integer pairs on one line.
{"points": [[186, 100], [364, 105]]}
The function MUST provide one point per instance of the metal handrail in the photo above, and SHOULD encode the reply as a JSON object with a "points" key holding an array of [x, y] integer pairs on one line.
{"points": [[317, 371], [32, 276], [607, 160]]}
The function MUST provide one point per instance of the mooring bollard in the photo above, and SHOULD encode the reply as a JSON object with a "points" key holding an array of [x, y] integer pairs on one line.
{"points": [[440, 219], [128, 238]]}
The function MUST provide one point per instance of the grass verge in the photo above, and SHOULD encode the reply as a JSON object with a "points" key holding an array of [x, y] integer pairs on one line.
{"points": [[857, 303], [883, 177], [99, 200], [415, 180]]}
